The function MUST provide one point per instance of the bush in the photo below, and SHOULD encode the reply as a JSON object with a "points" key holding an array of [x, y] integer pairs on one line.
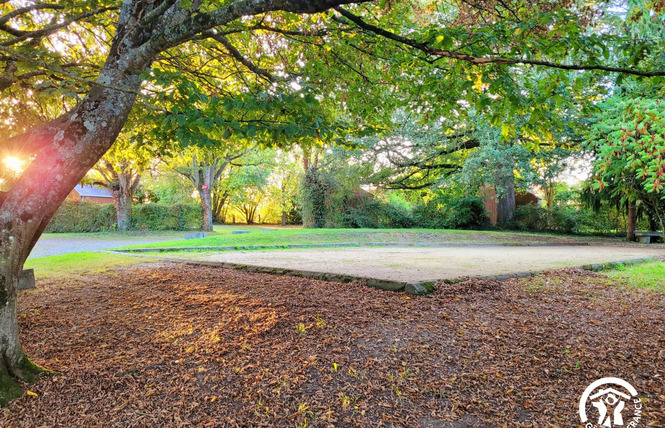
{"points": [[82, 217], [377, 214], [449, 212], [535, 218], [91, 217], [466, 213], [166, 217]]}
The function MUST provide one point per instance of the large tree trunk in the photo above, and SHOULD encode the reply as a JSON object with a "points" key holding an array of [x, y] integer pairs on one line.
{"points": [[632, 221], [72, 144], [123, 209], [505, 204], [206, 207], [123, 194]]}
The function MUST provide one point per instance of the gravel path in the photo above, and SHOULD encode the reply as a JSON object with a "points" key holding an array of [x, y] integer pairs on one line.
{"points": [[53, 245], [429, 263]]}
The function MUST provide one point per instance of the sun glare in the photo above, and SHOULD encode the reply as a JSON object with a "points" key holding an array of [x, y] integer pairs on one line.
{"points": [[15, 165]]}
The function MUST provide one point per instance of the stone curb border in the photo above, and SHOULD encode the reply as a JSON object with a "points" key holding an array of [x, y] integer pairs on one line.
{"points": [[413, 288], [346, 244]]}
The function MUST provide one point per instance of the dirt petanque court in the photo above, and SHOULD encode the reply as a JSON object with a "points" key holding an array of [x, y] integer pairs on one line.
{"points": [[429, 263]]}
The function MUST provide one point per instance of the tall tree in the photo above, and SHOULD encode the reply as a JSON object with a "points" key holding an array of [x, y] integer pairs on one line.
{"points": [[120, 170], [203, 169], [65, 148], [629, 142]]}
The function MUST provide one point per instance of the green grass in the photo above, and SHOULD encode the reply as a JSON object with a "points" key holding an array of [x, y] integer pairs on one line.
{"points": [[258, 236], [649, 275], [56, 267]]}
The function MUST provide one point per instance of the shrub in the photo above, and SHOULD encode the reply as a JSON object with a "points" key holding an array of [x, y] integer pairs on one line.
{"points": [[450, 212], [535, 218], [91, 217], [82, 217], [377, 214], [465, 213], [166, 217]]}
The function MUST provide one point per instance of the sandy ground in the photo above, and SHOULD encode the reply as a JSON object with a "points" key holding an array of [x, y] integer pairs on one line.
{"points": [[429, 263]]}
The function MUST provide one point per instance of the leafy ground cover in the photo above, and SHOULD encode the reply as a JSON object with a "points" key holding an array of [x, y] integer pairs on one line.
{"points": [[261, 236], [175, 345]]}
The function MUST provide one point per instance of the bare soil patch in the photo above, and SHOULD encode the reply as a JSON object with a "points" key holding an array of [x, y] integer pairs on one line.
{"points": [[181, 346], [428, 263]]}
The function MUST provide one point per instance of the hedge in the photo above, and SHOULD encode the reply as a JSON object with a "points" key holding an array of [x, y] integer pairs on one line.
{"points": [[90, 217]]}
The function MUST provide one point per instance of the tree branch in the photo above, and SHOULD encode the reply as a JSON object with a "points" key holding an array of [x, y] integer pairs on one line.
{"points": [[440, 53], [235, 53], [53, 28], [201, 22], [157, 12], [37, 6]]}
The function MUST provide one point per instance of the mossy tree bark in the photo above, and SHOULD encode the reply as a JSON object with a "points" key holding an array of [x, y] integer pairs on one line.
{"points": [[66, 149]]}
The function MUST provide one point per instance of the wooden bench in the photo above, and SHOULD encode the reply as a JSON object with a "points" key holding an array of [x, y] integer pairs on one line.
{"points": [[645, 237]]}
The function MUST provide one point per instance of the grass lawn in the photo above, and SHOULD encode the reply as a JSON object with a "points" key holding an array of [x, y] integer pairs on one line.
{"points": [[645, 275], [76, 264], [268, 235]]}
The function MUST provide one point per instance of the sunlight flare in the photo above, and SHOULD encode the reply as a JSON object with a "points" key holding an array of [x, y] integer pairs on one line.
{"points": [[14, 164]]}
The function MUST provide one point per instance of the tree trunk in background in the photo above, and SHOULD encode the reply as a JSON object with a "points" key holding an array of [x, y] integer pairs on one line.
{"points": [[218, 207], [206, 208], [314, 210], [632, 221], [505, 204], [123, 209], [550, 190], [283, 218], [123, 191]]}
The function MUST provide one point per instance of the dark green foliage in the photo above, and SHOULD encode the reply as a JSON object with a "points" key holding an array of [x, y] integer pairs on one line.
{"points": [[461, 213], [573, 219], [143, 195], [372, 213], [293, 214], [91, 217], [166, 217], [451, 212], [317, 200], [535, 218], [83, 217], [467, 212]]}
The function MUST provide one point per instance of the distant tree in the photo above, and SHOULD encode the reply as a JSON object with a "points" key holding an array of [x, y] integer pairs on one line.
{"points": [[247, 183], [284, 186], [629, 142], [203, 168], [120, 171]]}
